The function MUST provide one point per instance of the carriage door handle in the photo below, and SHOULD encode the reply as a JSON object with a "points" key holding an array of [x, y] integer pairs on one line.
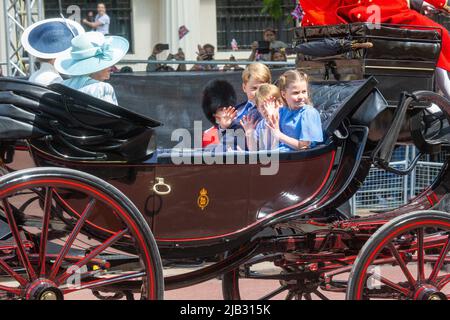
{"points": [[161, 188]]}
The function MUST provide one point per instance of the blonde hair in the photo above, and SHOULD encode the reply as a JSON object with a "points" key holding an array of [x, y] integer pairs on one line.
{"points": [[267, 91], [290, 77], [257, 71]]}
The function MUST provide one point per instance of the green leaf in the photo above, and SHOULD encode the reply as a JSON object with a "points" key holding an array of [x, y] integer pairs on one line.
{"points": [[273, 8]]}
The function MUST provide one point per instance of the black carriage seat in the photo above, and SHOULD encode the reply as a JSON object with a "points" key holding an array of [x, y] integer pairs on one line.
{"points": [[335, 101], [73, 125]]}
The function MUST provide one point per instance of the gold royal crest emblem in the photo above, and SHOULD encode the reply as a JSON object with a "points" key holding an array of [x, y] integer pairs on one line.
{"points": [[203, 199]]}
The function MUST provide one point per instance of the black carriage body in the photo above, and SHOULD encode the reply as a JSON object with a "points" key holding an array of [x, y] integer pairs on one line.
{"points": [[240, 201]]}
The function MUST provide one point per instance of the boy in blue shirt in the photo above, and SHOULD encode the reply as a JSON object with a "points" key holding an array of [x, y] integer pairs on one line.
{"points": [[253, 77]]}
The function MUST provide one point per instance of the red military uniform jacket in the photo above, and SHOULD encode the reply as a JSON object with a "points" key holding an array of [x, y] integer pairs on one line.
{"points": [[392, 12], [440, 4], [320, 12]]}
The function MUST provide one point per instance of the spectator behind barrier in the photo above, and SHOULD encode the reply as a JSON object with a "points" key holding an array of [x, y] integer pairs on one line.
{"points": [[205, 53], [270, 36], [278, 56], [160, 48], [126, 69], [90, 18], [232, 67], [102, 20]]}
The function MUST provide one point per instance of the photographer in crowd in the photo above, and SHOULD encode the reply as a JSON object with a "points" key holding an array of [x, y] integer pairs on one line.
{"points": [[262, 50], [205, 53], [160, 48]]}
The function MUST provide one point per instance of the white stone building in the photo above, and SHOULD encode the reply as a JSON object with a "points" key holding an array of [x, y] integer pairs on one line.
{"points": [[147, 22]]}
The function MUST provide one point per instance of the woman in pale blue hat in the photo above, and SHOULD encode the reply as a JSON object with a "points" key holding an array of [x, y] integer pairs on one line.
{"points": [[89, 64], [46, 40]]}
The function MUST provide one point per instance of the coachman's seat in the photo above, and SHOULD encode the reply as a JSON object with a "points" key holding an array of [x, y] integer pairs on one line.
{"points": [[403, 58]]}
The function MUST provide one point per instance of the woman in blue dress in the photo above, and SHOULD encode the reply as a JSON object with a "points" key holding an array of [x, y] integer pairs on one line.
{"points": [[89, 64], [297, 126]]}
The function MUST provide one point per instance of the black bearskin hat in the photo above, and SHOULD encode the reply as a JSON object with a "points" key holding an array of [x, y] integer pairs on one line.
{"points": [[217, 94]]}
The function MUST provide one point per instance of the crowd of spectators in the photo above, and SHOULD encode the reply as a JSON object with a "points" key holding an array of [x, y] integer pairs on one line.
{"points": [[274, 51]]}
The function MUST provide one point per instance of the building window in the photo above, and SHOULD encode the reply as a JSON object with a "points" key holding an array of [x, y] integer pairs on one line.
{"points": [[118, 10], [242, 20]]}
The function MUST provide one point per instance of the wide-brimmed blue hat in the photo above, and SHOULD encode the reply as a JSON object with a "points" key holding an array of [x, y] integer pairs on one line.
{"points": [[92, 52], [47, 39]]}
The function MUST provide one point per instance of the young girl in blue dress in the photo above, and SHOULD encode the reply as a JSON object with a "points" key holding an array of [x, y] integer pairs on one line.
{"points": [[297, 126]]}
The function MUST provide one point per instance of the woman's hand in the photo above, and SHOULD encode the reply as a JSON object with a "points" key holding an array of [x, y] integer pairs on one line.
{"points": [[225, 117]]}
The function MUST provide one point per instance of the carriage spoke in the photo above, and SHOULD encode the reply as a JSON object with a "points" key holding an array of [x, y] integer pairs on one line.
{"points": [[391, 284], [87, 211], [420, 256], [402, 265], [320, 295], [308, 296], [290, 296], [114, 238], [275, 293], [105, 282], [443, 282], [16, 235], [12, 273], [45, 225], [10, 290], [440, 261]]}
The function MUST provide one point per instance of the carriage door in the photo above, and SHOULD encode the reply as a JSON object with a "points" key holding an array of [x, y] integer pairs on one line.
{"points": [[200, 201]]}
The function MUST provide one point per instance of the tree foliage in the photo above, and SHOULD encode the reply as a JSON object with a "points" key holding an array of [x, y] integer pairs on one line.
{"points": [[273, 8]]}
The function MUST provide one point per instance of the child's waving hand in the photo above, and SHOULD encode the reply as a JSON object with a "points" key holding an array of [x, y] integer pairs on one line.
{"points": [[249, 124], [225, 117]]}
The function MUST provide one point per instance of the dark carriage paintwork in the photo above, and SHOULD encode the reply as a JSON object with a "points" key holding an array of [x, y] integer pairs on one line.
{"points": [[303, 192], [242, 202], [234, 203], [239, 196]]}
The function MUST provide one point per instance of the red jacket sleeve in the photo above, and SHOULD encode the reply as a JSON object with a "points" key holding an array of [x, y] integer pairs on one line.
{"points": [[210, 136], [440, 4]]}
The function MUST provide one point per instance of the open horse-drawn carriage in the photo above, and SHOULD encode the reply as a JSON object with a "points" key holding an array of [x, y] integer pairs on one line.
{"points": [[106, 203]]}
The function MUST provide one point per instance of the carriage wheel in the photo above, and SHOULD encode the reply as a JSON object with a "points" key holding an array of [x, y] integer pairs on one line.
{"points": [[49, 252], [260, 279], [406, 259]]}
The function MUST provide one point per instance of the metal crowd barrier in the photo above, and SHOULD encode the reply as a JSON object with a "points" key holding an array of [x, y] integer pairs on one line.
{"points": [[212, 62], [384, 191]]}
